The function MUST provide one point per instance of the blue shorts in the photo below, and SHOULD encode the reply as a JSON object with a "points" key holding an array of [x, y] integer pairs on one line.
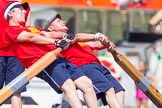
{"points": [[58, 72], [101, 78], [10, 68]]}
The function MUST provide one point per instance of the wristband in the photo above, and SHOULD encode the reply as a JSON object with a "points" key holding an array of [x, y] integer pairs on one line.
{"points": [[97, 36]]}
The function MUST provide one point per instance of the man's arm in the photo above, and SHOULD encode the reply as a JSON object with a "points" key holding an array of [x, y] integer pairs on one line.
{"points": [[95, 45], [80, 37], [39, 39], [34, 38], [96, 41], [84, 37]]}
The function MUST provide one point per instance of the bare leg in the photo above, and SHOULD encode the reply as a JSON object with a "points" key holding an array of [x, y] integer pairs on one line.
{"points": [[16, 101], [70, 92], [138, 104], [120, 95], [145, 104], [85, 85], [112, 99]]}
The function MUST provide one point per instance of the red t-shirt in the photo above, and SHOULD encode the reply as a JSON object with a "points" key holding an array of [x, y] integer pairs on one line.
{"points": [[80, 54], [4, 49], [6, 52], [27, 52]]}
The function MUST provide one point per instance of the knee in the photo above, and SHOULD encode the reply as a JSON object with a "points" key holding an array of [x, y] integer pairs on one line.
{"points": [[68, 85], [88, 83], [121, 94], [111, 91], [88, 86], [84, 84]]}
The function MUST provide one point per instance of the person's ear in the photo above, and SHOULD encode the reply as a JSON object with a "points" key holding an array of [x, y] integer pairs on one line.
{"points": [[51, 28], [10, 13]]}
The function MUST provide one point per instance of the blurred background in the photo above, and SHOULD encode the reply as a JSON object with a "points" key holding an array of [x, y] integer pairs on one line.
{"points": [[135, 26]]}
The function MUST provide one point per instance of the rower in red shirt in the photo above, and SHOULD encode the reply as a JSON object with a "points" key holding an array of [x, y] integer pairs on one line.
{"points": [[10, 66], [31, 43], [81, 54]]}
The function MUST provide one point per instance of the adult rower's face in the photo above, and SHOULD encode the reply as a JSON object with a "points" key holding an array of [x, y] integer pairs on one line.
{"points": [[18, 14], [59, 25]]}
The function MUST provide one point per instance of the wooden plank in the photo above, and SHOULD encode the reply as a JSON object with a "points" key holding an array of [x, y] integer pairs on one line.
{"points": [[153, 94]]}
